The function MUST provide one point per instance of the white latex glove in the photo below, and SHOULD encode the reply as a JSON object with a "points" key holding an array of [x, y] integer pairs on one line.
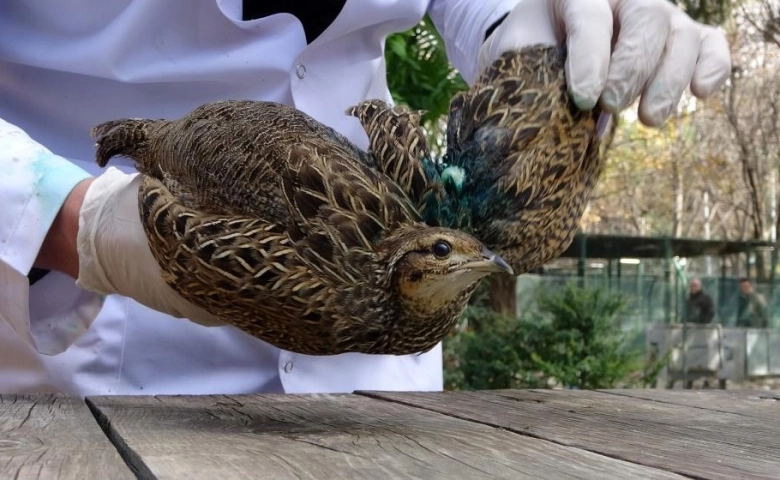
{"points": [[658, 51], [114, 255]]}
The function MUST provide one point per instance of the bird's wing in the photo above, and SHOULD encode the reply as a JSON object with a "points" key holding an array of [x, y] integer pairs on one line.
{"points": [[530, 154], [398, 145], [339, 210]]}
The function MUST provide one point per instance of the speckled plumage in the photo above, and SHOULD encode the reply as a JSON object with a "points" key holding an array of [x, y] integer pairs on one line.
{"points": [[279, 225], [528, 156]]}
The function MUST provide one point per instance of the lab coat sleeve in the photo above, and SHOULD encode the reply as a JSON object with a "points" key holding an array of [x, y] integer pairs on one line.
{"points": [[33, 186], [462, 24]]}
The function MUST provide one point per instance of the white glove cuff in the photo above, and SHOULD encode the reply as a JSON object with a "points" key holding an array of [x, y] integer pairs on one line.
{"points": [[99, 196]]}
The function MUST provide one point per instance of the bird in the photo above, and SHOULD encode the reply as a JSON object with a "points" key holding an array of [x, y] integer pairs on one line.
{"points": [[280, 226], [520, 163]]}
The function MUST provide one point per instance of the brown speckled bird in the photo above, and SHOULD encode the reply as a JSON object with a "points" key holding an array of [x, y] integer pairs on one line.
{"points": [[520, 164], [280, 226]]}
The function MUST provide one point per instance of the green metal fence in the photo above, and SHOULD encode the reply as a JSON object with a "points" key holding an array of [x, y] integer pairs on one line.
{"points": [[654, 300]]}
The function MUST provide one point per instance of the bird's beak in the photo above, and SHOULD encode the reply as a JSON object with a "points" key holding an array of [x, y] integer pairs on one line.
{"points": [[490, 263]]}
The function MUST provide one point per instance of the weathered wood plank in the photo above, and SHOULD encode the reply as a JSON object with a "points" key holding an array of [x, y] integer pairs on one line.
{"points": [[43, 437], [686, 440], [333, 436], [751, 403]]}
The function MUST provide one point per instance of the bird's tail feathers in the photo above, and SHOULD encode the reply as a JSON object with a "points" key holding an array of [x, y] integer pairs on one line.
{"points": [[127, 137]]}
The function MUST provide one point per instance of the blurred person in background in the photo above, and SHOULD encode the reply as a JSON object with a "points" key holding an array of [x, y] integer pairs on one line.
{"points": [[751, 307], [700, 307]]}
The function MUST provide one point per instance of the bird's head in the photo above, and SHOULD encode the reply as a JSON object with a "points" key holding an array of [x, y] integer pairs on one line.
{"points": [[432, 267]]}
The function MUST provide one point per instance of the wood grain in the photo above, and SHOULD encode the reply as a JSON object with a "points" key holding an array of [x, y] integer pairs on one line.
{"points": [[751, 403], [332, 436], [43, 437], [687, 440]]}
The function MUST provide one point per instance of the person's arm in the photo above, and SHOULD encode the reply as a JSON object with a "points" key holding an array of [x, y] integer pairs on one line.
{"points": [[709, 309], [35, 186], [40, 193], [56, 216], [58, 251], [761, 309]]}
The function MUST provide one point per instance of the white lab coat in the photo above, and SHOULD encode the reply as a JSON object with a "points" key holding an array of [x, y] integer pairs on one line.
{"points": [[66, 66]]}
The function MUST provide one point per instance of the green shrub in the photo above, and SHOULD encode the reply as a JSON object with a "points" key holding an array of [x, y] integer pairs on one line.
{"points": [[490, 357], [570, 337]]}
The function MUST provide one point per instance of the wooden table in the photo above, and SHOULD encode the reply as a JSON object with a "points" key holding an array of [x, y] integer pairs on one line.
{"points": [[507, 434]]}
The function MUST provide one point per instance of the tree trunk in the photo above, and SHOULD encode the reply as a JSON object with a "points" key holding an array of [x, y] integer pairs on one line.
{"points": [[776, 226], [677, 179], [762, 275], [679, 198], [502, 294]]}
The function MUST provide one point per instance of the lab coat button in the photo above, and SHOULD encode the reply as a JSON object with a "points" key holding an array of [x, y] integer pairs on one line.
{"points": [[288, 367], [300, 70]]}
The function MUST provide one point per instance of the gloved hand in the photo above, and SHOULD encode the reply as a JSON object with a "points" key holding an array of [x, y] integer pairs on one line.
{"points": [[114, 255], [658, 51]]}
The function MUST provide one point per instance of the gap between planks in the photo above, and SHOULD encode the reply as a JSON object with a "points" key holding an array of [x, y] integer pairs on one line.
{"points": [[128, 455], [54, 436]]}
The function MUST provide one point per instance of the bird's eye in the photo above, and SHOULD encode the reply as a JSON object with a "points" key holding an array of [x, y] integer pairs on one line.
{"points": [[441, 249]]}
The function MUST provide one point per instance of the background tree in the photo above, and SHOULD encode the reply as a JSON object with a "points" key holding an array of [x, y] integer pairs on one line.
{"points": [[714, 164], [711, 12], [764, 16]]}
